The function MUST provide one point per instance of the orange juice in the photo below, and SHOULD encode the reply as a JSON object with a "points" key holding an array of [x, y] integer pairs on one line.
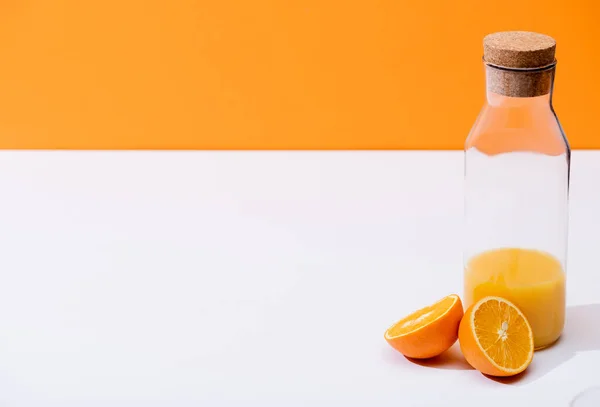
{"points": [[533, 280]]}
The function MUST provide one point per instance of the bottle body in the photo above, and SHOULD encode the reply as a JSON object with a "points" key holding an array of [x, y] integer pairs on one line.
{"points": [[517, 163]]}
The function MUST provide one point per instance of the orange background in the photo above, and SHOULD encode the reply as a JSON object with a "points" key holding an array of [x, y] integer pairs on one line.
{"points": [[300, 74]]}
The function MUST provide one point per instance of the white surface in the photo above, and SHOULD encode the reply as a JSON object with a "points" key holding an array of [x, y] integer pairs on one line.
{"points": [[254, 279]]}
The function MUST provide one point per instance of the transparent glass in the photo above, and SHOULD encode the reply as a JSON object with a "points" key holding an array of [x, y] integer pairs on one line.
{"points": [[517, 164]]}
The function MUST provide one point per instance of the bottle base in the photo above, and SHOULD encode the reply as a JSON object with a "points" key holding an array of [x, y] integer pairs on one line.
{"points": [[547, 345]]}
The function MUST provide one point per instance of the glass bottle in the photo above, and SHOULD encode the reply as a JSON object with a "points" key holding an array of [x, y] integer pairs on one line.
{"points": [[517, 163]]}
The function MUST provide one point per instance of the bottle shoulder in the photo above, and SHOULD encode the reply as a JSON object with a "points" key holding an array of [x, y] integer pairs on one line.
{"points": [[503, 129]]}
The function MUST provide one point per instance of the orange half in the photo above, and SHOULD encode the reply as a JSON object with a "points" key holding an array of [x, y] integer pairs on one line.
{"points": [[429, 331], [496, 338]]}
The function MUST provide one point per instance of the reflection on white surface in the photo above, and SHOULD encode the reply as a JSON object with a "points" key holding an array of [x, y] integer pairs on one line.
{"points": [[588, 398]]}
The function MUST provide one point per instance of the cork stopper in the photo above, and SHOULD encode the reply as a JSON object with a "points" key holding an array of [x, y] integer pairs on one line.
{"points": [[519, 49], [519, 63]]}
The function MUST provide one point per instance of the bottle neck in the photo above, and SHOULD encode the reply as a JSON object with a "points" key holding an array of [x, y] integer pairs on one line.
{"points": [[535, 102], [519, 87]]}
